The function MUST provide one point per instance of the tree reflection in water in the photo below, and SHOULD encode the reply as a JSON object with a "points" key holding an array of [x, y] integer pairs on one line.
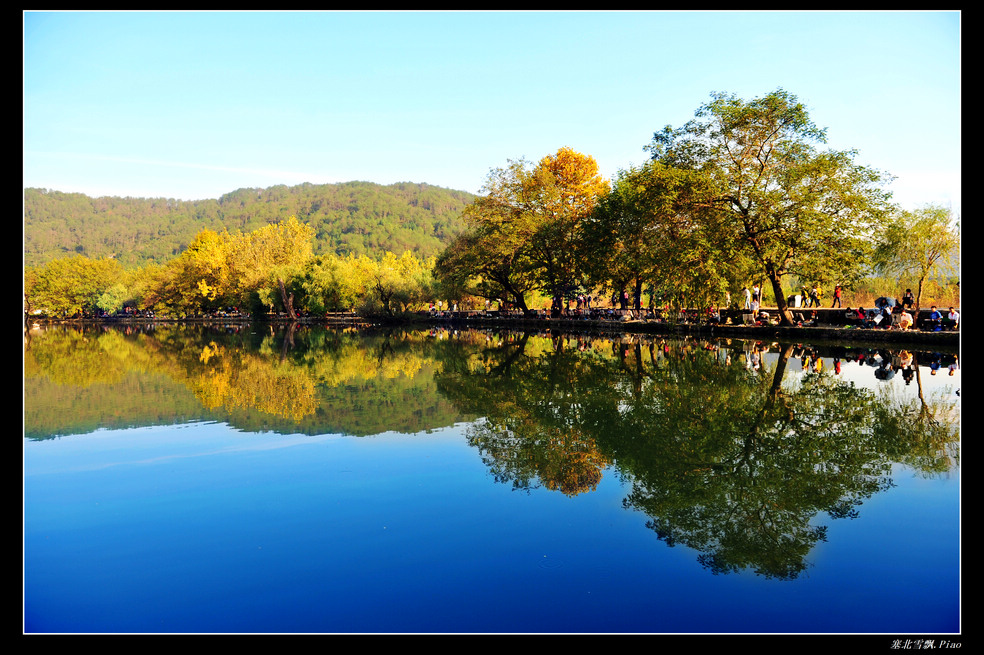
{"points": [[735, 449], [726, 451]]}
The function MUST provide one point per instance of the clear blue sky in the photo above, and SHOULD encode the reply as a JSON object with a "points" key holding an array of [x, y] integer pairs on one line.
{"points": [[192, 105]]}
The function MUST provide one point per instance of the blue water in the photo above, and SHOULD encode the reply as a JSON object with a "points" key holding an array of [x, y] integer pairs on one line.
{"points": [[200, 528]]}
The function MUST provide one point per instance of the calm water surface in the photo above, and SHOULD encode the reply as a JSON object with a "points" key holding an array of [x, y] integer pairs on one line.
{"points": [[271, 481]]}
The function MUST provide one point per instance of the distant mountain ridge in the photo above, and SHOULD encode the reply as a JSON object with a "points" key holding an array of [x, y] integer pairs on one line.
{"points": [[349, 217]]}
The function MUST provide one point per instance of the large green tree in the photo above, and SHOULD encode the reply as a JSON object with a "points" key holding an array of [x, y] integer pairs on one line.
{"points": [[486, 262], [790, 207], [646, 231]]}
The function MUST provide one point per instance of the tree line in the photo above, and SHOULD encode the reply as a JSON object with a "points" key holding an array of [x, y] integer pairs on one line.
{"points": [[308, 381], [271, 269], [742, 194]]}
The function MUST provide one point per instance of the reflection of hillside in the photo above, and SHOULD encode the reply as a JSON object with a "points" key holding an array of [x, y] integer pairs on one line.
{"points": [[132, 399], [317, 382]]}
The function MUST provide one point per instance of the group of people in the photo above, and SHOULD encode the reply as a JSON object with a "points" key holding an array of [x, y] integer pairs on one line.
{"points": [[811, 297], [939, 322], [889, 313], [805, 297]]}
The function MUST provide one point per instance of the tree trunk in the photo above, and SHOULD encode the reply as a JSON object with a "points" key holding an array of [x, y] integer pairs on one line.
{"points": [[785, 316], [288, 300], [518, 298]]}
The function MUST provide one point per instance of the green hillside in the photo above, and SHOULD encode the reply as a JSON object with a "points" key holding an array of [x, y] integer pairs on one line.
{"points": [[351, 217]]}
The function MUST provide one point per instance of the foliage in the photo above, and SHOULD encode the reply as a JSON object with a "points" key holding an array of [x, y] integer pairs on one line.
{"points": [[919, 244], [645, 232], [488, 262], [197, 280], [349, 218], [564, 190], [73, 285], [789, 208], [329, 283], [260, 260], [269, 269], [397, 284], [524, 228]]}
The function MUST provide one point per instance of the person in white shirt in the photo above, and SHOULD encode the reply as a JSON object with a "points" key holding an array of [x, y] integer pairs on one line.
{"points": [[954, 318]]}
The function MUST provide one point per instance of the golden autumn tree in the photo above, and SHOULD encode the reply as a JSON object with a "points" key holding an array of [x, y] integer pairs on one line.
{"points": [[196, 280], [524, 227], [71, 285], [265, 260], [567, 186]]}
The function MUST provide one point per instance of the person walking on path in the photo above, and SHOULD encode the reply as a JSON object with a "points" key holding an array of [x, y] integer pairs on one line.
{"points": [[814, 296], [748, 297], [837, 296]]}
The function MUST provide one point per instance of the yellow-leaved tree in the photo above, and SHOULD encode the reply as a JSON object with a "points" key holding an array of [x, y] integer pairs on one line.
{"points": [[524, 229], [264, 261]]}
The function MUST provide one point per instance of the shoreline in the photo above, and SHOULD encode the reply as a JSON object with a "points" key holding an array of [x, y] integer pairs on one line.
{"points": [[949, 339]]}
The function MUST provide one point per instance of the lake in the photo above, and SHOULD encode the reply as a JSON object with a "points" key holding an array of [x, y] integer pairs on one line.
{"points": [[258, 479]]}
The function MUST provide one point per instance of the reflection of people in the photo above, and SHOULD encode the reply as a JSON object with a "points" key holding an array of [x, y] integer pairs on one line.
{"points": [[885, 371]]}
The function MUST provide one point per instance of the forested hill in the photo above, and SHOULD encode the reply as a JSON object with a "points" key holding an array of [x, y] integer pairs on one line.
{"points": [[351, 217]]}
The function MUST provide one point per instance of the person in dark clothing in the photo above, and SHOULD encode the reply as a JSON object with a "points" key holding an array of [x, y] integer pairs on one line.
{"points": [[908, 300]]}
